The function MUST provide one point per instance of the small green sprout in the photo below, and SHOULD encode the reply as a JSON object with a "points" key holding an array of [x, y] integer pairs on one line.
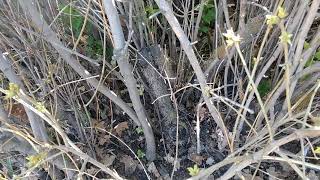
{"points": [[150, 10], [40, 107], [282, 13], [207, 91], [264, 87], [272, 20], [140, 89], [285, 37], [317, 150], [140, 154], [193, 171], [232, 38], [317, 55], [139, 130], [315, 120], [12, 91], [306, 45], [33, 160]]}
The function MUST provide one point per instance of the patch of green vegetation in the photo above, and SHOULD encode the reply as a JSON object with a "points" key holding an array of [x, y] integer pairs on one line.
{"points": [[73, 20], [34, 160], [69, 12], [139, 130], [140, 154], [94, 47], [193, 171], [12, 91], [151, 10], [264, 87], [208, 17], [312, 59]]}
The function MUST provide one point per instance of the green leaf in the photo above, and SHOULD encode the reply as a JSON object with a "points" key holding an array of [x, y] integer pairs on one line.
{"points": [[208, 16], [282, 13], [140, 154], [151, 10], [67, 9], [204, 29], [317, 56], [33, 160], [264, 87], [309, 62], [285, 37], [40, 107], [12, 91], [271, 19], [306, 45], [193, 171], [209, 5], [317, 150], [139, 130]]}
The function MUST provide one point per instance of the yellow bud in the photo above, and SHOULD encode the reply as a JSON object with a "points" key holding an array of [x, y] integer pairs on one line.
{"points": [[282, 13]]}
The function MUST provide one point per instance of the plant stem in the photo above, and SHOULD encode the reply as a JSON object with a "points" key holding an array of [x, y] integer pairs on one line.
{"points": [[255, 89]]}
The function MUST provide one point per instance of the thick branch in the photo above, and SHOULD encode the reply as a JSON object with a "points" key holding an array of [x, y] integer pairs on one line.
{"points": [[121, 55], [187, 47], [37, 124]]}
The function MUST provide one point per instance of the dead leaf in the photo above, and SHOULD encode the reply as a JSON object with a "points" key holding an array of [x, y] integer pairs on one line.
{"points": [[202, 113], [108, 159], [196, 158], [171, 160], [130, 164], [98, 124], [222, 141], [104, 139], [18, 111], [92, 170], [152, 169], [273, 173], [121, 127], [210, 161], [312, 175]]}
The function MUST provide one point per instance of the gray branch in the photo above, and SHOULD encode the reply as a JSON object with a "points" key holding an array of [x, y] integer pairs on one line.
{"points": [[121, 55], [37, 124]]}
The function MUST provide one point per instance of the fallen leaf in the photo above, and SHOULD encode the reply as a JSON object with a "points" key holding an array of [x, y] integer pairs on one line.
{"points": [[210, 161], [92, 170], [202, 113], [222, 141], [108, 159], [196, 158], [312, 175], [104, 139], [130, 164], [18, 111], [171, 160], [98, 124], [152, 169], [121, 127], [100, 152]]}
